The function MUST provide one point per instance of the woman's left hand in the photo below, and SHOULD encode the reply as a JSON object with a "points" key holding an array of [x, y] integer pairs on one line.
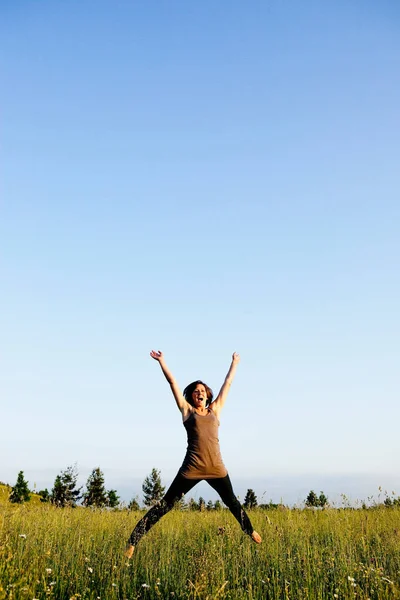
{"points": [[235, 357]]}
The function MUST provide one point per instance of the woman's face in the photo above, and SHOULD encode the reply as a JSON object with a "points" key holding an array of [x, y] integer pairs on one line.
{"points": [[199, 396]]}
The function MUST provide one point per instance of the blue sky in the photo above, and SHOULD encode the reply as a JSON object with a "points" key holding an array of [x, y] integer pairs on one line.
{"points": [[201, 178]]}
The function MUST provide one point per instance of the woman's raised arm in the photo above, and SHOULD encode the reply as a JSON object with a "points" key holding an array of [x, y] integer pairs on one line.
{"points": [[219, 401], [183, 406]]}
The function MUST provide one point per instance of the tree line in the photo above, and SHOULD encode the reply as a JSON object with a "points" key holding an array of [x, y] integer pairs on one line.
{"points": [[65, 492]]}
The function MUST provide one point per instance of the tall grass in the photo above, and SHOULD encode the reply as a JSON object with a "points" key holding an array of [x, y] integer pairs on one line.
{"points": [[78, 554]]}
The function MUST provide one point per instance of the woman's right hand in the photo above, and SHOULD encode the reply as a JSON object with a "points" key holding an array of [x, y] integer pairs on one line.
{"points": [[157, 355]]}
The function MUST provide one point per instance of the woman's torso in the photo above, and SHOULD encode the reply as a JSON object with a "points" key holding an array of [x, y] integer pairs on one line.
{"points": [[203, 458]]}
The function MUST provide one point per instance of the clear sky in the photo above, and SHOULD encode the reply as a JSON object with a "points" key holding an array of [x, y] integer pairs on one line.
{"points": [[201, 178]]}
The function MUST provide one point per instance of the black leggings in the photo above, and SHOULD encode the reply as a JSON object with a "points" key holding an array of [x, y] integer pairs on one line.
{"points": [[178, 488]]}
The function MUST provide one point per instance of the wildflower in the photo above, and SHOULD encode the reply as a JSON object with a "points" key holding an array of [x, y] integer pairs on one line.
{"points": [[145, 585], [351, 578], [52, 583], [114, 585], [48, 571], [335, 596], [22, 535]]}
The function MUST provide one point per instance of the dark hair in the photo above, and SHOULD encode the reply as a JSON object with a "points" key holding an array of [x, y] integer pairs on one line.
{"points": [[189, 389]]}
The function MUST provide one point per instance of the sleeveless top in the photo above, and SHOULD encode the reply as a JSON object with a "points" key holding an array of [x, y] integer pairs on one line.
{"points": [[203, 458]]}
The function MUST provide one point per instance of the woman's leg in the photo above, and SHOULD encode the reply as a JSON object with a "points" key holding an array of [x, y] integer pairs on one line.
{"points": [[178, 488], [224, 488]]}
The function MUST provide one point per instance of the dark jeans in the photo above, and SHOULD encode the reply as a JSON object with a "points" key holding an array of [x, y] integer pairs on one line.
{"points": [[178, 488]]}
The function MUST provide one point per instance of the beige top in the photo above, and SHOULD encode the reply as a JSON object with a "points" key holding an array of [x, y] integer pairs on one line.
{"points": [[203, 458]]}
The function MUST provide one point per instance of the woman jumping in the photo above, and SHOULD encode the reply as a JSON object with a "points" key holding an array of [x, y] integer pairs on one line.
{"points": [[203, 457]]}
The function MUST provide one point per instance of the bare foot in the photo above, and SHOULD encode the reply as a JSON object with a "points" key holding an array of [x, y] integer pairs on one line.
{"points": [[256, 537], [129, 550]]}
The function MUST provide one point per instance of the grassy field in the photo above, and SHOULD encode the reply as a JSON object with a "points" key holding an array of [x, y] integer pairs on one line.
{"points": [[77, 554]]}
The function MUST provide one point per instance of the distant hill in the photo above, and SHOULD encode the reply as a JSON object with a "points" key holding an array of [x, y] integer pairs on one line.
{"points": [[5, 491]]}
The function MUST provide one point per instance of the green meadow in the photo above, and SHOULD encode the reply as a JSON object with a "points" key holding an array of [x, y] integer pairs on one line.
{"points": [[78, 554]]}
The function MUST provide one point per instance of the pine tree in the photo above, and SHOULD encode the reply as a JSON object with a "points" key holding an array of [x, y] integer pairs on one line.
{"points": [[20, 491], [217, 505], [202, 504], [112, 498], [134, 504], [322, 500], [250, 500], [210, 505], [65, 492], [152, 488], [57, 493], [180, 503], [312, 499], [44, 495], [192, 504], [96, 494]]}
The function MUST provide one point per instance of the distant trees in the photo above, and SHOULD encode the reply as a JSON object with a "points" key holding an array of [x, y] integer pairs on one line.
{"points": [[180, 504], [44, 495], [65, 491], [202, 505], [112, 499], [389, 502], [192, 504], [271, 506], [20, 492], [153, 490], [134, 504], [95, 494], [323, 500], [314, 501], [57, 493], [250, 500]]}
